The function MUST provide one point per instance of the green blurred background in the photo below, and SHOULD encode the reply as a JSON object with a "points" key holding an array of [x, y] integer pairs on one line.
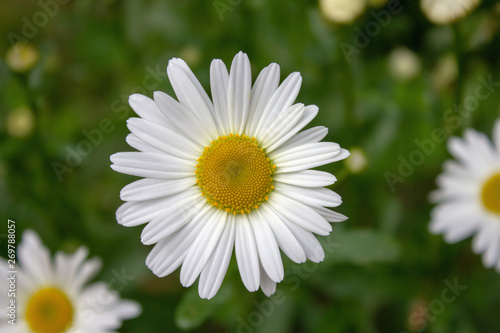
{"points": [[384, 272]]}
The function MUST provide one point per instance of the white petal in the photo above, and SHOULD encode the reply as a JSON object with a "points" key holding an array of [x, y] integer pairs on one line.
{"points": [[483, 238], [329, 215], [8, 328], [267, 247], [310, 196], [447, 216], [285, 238], [246, 253], [453, 187], [264, 88], [482, 148], [170, 252], [35, 257], [312, 247], [267, 285], [125, 309], [496, 134], [281, 126], [146, 189], [282, 99], [174, 217], [202, 248], [309, 156], [466, 153], [134, 142], [68, 266], [219, 79], [309, 113], [147, 109], [191, 94], [101, 310], [151, 165], [462, 230], [300, 214], [131, 214], [182, 118], [238, 92], [311, 135], [213, 274], [492, 254], [86, 272], [328, 149], [453, 168], [164, 139], [306, 178]]}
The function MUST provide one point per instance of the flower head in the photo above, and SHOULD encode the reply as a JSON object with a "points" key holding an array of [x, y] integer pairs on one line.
{"points": [[52, 296], [447, 11], [21, 57], [232, 173], [468, 196], [342, 11]]}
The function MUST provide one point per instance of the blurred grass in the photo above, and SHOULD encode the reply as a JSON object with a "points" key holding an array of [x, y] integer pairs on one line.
{"points": [[93, 54]]}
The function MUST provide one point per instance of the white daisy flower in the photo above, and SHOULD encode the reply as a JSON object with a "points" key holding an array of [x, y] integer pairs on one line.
{"points": [[468, 196], [342, 11], [404, 64], [51, 296], [232, 173], [447, 11]]}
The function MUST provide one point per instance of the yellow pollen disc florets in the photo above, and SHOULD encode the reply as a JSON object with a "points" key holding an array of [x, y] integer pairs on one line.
{"points": [[491, 194], [49, 311], [234, 174]]}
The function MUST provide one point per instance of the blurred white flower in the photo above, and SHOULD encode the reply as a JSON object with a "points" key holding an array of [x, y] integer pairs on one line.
{"points": [[445, 72], [447, 11], [342, 11], [20, 122], [232, 173], [404, 64], [21, 57], [52, 296], [357, 161], [192, 54], [468, 196]]}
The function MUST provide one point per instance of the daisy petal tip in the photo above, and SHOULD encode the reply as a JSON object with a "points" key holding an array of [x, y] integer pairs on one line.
{"points": [[177, 62], [30, 236], [157, 95], [253, 289], [217, 62], [204, 296], [119, 220], [269, 292], [344, 153], [147, 239], [134, 310], [241, 54], [135, 98], [113, 158]]}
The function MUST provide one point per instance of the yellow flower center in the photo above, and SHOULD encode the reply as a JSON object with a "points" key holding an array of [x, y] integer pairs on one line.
{"points": [[49, 311], [491, 194], [234, 174]]}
